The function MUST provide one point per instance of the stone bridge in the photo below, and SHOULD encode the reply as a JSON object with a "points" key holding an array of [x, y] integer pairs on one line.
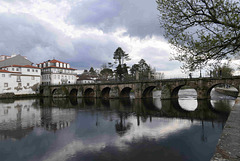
{"points": [[141, 89]]}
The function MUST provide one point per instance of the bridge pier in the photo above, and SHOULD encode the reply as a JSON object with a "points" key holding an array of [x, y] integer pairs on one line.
{"points": [[166, 92], [80, 93], [46, 91], [203, 94]]}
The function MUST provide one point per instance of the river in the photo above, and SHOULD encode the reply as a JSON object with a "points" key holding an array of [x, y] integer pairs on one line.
{"points": [[53, 129]]}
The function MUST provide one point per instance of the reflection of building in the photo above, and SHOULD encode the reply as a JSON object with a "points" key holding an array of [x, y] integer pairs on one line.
{"points": [[55, 119], [57, 72], [19, 79], [18, 118]]}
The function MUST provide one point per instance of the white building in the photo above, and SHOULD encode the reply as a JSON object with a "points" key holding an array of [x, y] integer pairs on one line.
{"points": [[4, 57], [56, 72], [20, 79]]}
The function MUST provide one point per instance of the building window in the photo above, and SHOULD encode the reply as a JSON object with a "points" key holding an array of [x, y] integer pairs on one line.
{"points": [[28, 70], [12, 69], [18, 79], [3, 75], [33, 78], [32, 70], [5, 84], [17, 69], [36, 70], [19, 84], [27, 84]]}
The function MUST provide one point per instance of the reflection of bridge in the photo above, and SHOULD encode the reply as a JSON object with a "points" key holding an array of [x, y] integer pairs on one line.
{"points": [[146, 108], [141, 89]]}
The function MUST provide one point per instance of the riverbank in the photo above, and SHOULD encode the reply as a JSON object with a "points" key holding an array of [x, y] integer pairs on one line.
{"points": [[227, 91], [228, 147], [12, 95]]}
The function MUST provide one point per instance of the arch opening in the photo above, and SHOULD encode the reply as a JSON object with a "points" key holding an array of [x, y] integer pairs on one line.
{"points": [[187, 98], [175, 91], [54, 91], [89, 92], [125, 93], [223, 96], [41, 92], [148, 92], [105, 92], [223, 91], [73, 92]]}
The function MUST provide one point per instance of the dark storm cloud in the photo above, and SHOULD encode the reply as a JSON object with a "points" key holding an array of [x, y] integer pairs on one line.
{"points": [[139, 17], [28, 36], [92, 51]]}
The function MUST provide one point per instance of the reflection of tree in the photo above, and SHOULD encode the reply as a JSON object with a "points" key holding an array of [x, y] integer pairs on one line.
{"points": [[203, 137], [121, 127], [126, 102], [222, 106]]}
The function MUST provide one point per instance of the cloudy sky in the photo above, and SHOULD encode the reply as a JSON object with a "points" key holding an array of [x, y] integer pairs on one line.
{"points": [[84, 33]]}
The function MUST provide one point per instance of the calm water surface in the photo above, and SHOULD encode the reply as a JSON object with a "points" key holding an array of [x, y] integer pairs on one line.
{"points": [[116, 129]]}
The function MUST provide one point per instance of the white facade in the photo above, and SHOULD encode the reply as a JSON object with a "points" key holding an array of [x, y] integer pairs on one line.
{"points": [[85, 81], [20, 79], [4, 57], [55, 72]]}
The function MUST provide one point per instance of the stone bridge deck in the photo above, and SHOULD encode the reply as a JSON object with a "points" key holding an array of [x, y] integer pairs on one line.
{"points": [[141, 89]]}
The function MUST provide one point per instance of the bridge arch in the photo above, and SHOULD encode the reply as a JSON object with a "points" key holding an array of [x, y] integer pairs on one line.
{"points": [[125, 92], [41, 92], [89, 92], [148, 92], [174, 93], [73, 92], [54, 91], [105, 92], [222, 84]]}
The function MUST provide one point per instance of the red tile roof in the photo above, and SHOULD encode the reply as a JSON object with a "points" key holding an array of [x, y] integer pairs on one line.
{"points": [[5, 71], [52, 61]]}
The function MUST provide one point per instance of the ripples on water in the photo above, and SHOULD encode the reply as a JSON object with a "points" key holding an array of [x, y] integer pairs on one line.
{"points": [[126, 129]]}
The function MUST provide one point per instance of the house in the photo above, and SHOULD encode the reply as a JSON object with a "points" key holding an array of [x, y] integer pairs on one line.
{"points": [[87, 77], [84, 79], [4, 57], [14, 60], [56, 72], [20, 79]]}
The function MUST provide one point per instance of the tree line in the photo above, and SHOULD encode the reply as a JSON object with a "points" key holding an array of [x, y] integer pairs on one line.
{"points": [[119, 70]]}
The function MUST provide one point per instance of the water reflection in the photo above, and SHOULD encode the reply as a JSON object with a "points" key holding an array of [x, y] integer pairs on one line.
{"points": [[55, 113], [108, 129]]}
